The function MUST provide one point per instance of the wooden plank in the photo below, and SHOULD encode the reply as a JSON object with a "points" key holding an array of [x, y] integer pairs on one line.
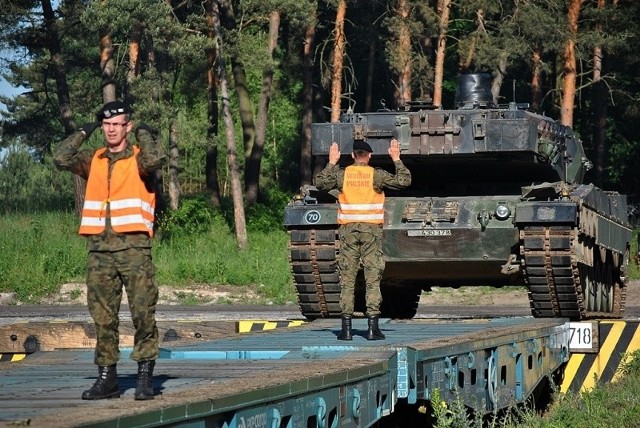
{"points": [[48, 336]]}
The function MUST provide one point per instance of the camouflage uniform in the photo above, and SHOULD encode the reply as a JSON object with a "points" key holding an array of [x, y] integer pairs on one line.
{"points": [[119, 259], [361, 243]]}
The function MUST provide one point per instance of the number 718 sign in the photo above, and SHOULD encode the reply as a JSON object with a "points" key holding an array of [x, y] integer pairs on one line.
{"points": [[583, 337]]}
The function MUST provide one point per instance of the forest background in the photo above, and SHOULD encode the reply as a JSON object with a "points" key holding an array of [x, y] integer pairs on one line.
{"points": [[232, 87]]}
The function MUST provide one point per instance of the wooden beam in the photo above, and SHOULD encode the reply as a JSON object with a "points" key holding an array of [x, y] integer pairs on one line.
{"points": [[48, 336]]}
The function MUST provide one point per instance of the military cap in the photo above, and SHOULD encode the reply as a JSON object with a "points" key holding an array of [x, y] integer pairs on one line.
{"points": [[362, 145], [113, 108]]}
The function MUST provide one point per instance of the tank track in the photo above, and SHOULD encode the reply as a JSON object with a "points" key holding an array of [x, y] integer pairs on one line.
{"points": [[561, 284], [313, 257]]}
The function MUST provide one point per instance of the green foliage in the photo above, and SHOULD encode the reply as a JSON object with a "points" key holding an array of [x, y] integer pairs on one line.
{"points": [[453, 414], [27, 185], [214, 258], [40, 252], [203, 249], [616, 404], [119, 15], [194, 215], [630, 366], [267, 214]]}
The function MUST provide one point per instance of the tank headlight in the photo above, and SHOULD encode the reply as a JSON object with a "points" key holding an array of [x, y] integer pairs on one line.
{"points": [[502, 212]]}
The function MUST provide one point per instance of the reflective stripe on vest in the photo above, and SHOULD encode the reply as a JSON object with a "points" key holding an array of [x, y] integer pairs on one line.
{"points": [[131, 205], [359, 202]]}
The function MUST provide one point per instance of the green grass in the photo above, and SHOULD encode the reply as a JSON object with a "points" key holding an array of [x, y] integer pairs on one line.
{"points": [[40, 252], [615, 404], [212, 257]]}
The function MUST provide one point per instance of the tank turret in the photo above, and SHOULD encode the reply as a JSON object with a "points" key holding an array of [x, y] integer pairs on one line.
{"points": [[497, 198]]}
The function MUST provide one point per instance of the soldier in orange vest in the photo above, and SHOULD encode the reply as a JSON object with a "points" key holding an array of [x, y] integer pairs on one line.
{"points": [[118, 220], [361, 215]]}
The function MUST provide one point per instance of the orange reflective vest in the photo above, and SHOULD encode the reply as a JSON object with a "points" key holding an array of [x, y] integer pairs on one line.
{"points": [[131, 206], [359, 202]]}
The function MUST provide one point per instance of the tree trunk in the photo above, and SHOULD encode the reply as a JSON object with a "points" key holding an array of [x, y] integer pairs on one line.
{"points": [[244, 105], [307, 101], [498, 79], [62, 91], [569, 64], [252, 167], [236, 187], [600, 95], [444, 7], [134, 53], [211, 161], [338, 54], [107, 65], [371, 64], [465, 61], [174, 167], [536, 79], [403, 87]]}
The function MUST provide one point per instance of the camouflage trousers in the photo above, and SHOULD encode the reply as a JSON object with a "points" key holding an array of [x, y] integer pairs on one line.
{"points": [[107, 273], [360, 244]]}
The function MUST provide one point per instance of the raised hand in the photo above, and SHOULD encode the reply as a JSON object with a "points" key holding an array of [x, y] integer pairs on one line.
{"points": [[394, 150], [334, 154]]}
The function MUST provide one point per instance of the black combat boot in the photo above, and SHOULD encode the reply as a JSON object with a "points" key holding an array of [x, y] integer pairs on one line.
{"points": [[374, 332], [144, 384], [345, 334], [106, 386]]}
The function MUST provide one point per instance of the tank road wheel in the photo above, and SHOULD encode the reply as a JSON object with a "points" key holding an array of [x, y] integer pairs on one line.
{"points": [[606, 304], [312, 254], [594, 284], [588, 281], [604, 290], [602, 285], [622, 281], [623, 269], [599, 285]]}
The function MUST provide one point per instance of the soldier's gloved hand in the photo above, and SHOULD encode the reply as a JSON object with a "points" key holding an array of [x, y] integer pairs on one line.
{"points": [[142, 127], [88, 128]]}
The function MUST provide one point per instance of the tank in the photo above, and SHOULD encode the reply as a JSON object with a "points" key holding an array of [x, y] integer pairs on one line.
{"points": [[497, 198]]}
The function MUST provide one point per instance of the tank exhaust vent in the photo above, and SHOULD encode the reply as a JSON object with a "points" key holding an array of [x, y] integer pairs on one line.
{"points": [[474, 91]]}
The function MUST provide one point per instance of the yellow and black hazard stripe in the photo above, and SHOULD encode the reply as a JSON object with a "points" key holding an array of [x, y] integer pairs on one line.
{"points": [[10, 358], [617, 338], [247, 326]]}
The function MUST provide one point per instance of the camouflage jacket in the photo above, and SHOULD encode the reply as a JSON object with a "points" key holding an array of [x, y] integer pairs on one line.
{"points": [[67, 156], [332, 176]]}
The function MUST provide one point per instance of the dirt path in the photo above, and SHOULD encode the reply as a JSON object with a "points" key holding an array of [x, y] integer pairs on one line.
{"points": [[203, 294]]}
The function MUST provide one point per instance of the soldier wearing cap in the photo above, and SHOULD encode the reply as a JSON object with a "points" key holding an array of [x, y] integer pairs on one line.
{"points": [[118, 222], [360, 215]]}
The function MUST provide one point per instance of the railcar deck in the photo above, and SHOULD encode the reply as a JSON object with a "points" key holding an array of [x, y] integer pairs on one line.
{"points": [[295, 377]]}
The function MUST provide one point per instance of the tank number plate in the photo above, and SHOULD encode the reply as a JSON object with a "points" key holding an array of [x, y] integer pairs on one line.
{"points": [[312, 217], [429, 232]]}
